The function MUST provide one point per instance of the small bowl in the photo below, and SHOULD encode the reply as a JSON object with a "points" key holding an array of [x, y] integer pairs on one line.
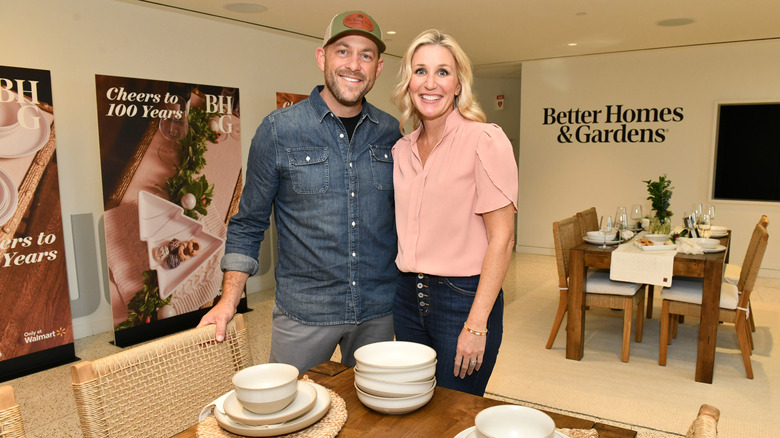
{"points": [[419, 374], [387, 388], [395, 354], [513, 421], [707, 243], [657, 237], [266, 388], [394, 405]]}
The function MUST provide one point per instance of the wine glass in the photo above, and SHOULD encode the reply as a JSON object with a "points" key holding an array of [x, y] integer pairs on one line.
{"points": [[606, 228], [704, 224], [173, 127], [636, 214], [621, 223], [711, 212]]}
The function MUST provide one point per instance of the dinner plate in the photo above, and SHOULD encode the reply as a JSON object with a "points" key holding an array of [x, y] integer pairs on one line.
{"points": [[321, 407], [22, 141], [9, 197], [600, 241], [161, 221], [471, 432], [718, 248], [304, 401]]}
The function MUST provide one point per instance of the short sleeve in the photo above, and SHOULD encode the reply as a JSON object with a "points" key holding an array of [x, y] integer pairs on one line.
{"points": [[496, 171]]}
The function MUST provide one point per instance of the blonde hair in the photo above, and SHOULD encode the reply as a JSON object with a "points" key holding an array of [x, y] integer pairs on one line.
{"points": [[465, 102]]}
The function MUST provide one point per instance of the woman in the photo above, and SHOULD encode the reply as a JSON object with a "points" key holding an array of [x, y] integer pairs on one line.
{"points": [[455, 181]]}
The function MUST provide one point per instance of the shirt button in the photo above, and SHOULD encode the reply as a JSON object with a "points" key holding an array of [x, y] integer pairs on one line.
{"points": [[353, 223], [422, 304], [350, 164], [385, 155], [353, 254], [353, 283], [420, 295], [419, 286], [352, 194], [420, 275], [341, 135], [308, 158]]}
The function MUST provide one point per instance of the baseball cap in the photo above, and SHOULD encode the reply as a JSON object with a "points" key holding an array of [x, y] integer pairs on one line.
{"points": [[354, 23]]}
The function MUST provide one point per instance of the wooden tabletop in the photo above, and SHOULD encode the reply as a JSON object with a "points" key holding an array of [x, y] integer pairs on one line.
{"points": [[446, 415]]}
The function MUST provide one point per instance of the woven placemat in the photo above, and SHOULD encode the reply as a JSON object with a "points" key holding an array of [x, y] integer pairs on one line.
{"points": [[328, 427], [580, 433]]}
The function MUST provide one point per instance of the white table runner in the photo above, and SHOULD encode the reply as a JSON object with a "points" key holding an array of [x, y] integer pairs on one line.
{"points": [[630, 263]]}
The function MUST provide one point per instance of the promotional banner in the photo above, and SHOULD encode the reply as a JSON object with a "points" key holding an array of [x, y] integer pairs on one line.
{"points": [[171, 168], [35, 319]]}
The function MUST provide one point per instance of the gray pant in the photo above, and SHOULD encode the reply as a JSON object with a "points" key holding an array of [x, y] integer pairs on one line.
{"points": [[306, 346]]}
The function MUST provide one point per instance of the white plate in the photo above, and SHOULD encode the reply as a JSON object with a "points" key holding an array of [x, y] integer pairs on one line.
{"points": [[718, 248], [303, 403], [23, 141], [600, 241], [718, 231], [321, 407], [159, 222], [659, 247], [9, 197], [471, 433]]}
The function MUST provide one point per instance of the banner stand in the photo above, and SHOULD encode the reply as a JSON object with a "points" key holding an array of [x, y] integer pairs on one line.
{"points": [[39, 361], [167, 326]]}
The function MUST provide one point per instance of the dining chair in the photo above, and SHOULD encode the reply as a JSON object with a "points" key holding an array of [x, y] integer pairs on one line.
{"points": [[158, 388], [589, 221], [706, 423], [10, 414], [601, 291], [731, 274], [685, 295]]}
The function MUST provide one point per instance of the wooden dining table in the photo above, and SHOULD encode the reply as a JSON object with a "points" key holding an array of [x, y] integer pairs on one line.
{"points": [[447, 414], [708, 266]]}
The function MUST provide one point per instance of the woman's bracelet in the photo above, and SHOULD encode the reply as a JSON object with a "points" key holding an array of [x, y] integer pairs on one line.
{"points": [[474, 332]]}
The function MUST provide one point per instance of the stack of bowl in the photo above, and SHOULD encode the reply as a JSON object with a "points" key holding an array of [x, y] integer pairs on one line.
{"points": [[269, 399], [395, 377]]}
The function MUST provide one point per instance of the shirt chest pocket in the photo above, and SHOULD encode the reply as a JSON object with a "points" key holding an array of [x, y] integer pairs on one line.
{"points": [[382, 167], [309, 170]]}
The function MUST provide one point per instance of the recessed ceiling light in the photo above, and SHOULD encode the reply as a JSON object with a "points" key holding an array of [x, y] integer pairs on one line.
{"points": [[247, 8], [391, 32], [671, 22], [572, 44]]}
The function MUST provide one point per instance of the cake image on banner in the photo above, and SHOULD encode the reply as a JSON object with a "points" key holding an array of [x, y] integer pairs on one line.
{"points": [[171, 170], [35, 319]]}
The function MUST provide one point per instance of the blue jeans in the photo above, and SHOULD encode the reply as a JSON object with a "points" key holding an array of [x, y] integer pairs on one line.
{"points": [[431, 310]]}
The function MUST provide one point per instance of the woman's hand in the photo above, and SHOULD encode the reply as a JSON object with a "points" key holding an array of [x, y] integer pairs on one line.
{"points": [[468, 356]]}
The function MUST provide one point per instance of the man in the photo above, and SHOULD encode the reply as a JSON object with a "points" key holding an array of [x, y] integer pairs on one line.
{"points": [[325, 166]]}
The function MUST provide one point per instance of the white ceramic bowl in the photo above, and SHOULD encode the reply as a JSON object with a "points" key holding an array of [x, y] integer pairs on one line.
{"points": [[266, 388], [394, 355], [599, 235], [657, 237], [419, 374], [394, 405], [513, 421], [707, 243], [387, 388]]}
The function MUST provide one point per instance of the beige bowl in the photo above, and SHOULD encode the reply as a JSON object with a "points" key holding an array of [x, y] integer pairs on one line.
{"points": [[394, 354], [599, 235], [707, 243], [513, 421], [387, 388], [394, 405], [657, 237], [419, 374], [266, 388]]}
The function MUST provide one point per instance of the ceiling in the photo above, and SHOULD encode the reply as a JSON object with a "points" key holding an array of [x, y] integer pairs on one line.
{"points": [[498, 35]]}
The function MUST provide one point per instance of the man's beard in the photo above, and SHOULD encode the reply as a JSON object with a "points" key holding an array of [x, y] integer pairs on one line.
{"points": [[331, 81]]}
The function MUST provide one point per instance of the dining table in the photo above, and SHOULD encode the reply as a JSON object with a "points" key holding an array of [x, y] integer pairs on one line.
{"points": [[708, 266], [447, 414]]}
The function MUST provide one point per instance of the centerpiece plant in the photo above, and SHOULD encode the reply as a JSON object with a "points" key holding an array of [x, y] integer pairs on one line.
{"points": [[660, 195]]}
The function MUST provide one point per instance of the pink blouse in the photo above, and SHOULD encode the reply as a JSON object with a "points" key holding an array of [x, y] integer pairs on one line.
{"points": [[438, 207]]}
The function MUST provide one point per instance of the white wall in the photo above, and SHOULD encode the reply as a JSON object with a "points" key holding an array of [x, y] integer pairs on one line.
{"points": [[558, 179], [77, 39]]}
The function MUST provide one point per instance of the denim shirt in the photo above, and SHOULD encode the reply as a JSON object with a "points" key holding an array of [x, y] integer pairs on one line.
{"points": [[334, 211]]}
